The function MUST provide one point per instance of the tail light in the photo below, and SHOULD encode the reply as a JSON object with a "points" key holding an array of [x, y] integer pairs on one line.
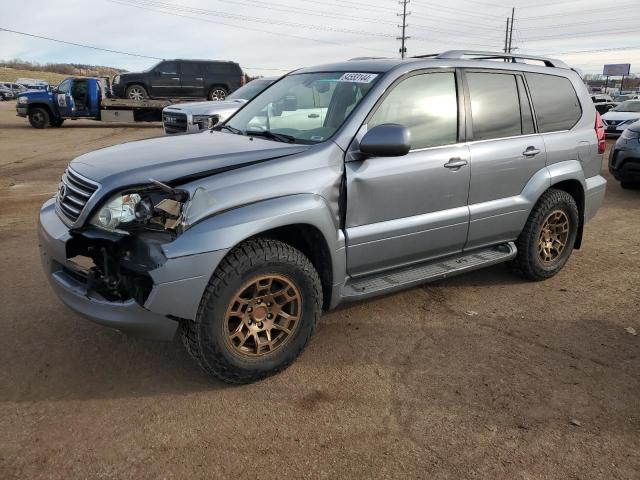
{"points": [[602, 145]]}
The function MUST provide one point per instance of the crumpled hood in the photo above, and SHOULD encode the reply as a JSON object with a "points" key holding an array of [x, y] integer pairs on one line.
{"points": [[176, 158], [206, 108]]}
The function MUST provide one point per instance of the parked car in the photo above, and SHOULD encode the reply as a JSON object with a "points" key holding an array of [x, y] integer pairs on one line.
{"points": [[627, 96], [337, 183], [6, 93], [621, 116], [601, 98], [209, 79], [15, 88], [196, 116], [603, 103], [624, 157]]}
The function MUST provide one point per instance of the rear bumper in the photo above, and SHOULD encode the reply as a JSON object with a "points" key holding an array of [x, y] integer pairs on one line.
{"points": [[178, 286], [624, 164], [594, 196]]}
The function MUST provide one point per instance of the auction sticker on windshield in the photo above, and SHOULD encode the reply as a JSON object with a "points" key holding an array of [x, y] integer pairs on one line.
{"points": [[358, 77]]}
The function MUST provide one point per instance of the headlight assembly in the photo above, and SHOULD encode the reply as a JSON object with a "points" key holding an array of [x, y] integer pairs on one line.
{"points": [[22, 100], [151, 208]]}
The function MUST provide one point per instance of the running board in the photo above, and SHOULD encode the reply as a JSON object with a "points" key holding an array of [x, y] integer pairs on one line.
{"points": [[370, 285]]}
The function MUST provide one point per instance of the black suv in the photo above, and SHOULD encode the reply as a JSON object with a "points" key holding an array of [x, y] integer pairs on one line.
{"points": [[179, 79]]}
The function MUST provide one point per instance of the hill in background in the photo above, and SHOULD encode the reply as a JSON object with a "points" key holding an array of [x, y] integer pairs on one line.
{"points": [[53, 73]]}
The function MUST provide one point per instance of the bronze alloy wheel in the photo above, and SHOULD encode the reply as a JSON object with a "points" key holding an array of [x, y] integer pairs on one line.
{"points": [[553, 236], [263, 315]]}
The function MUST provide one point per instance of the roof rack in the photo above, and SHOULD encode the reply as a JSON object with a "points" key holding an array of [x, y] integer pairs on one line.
{"points": [[479, 55]]}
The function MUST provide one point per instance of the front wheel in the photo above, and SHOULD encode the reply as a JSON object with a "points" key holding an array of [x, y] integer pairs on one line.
{"points": [[257, 314], [39, 117], [547, 240], [217, 94]]}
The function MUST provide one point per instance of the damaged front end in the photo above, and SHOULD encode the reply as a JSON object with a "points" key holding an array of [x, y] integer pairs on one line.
{"points": [[114, 254]]}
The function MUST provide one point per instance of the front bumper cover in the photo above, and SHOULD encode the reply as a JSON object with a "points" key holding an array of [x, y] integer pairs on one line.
{"points": [[178, 285], [624, 163]]}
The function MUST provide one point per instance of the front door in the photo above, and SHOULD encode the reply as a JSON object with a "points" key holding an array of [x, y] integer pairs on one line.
{"points": [[64, 100], [165, 80], [192, 80], [403, 210]]}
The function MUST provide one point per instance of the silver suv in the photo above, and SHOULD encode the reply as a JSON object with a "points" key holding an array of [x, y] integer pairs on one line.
{"points": [[337, 183]]}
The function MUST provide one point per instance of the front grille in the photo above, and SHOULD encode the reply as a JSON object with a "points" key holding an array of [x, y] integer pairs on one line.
{"points": [[74, 192], [174, 122]]}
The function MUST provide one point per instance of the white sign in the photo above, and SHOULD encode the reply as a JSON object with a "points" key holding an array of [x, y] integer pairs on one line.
{"points": [[358, 77]]}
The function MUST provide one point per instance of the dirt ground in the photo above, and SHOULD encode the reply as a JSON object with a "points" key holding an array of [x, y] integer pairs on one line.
{"points": [[479, 376]]}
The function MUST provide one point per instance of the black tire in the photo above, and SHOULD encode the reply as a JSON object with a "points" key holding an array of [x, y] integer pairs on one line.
{"points": [[217, 93], [205, 338], [57, 122], [136, 92], [39, 117], [2, 97], [630, 185], [528, 262]]}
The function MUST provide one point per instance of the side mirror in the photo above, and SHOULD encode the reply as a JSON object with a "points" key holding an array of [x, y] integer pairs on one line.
{"points": [[386, 140]]}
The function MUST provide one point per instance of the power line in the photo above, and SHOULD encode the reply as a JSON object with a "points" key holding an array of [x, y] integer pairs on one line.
{"points": [[78, 44], [243, 27]]}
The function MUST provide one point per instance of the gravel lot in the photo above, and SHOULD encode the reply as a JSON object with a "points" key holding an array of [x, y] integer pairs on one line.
{"points": [[479, 376]]}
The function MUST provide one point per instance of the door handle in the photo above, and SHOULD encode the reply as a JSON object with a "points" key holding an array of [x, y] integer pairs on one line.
{"points": [[175, 78], [531, 152], [198, 78], [313, 115], [455, 163]]}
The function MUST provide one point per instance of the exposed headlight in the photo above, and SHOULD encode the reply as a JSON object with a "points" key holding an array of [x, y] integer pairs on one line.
{"points": [[22, 100], [156, 209], [117, 211], [116, 79]]}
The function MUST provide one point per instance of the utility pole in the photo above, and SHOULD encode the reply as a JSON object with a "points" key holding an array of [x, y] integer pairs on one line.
{"points": [[506, 37], [513, 14], [404, 37]]}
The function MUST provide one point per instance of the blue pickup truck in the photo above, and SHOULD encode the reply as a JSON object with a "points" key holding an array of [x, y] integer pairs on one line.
{"points": [[84, 97]]}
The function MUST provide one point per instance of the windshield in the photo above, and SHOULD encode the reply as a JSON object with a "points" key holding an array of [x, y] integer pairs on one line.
{"points": [[250, 90], [628, 106], [305, 108]]}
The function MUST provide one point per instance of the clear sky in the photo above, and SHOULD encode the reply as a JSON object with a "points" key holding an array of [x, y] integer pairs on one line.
{"points": [[269, 36]]}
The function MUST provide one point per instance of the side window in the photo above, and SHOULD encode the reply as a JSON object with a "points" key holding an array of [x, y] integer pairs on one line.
{"points": [[555, 102], [495, 106], [525, 108], [167, 68], [427, 104], [190, 68], [65, 86]]}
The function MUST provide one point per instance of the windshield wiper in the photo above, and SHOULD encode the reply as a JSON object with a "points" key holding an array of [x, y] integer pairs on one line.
{"points": [[237, 131], [280, 137]]}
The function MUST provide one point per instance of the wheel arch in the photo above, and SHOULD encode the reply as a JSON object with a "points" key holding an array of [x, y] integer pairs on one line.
{"points": [[46, 106], [575, 188], [303, 221]]}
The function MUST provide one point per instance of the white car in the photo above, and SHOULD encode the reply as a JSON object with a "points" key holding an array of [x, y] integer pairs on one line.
{"points": [[196, 116], [620, 117]]}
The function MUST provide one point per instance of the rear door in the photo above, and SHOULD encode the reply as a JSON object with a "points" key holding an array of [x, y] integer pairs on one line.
{"points": [[403, 210], [165, 80], [505, 153], [192, 80]]}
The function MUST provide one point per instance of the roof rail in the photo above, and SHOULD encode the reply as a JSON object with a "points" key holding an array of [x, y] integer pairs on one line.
{"points": [[513, 57]]}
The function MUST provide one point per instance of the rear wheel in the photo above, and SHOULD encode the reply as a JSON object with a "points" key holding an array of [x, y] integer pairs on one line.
{"points": [[257, 314], [547, 240], [39, 117], [136, 92], [630, 185], [217, 94]]}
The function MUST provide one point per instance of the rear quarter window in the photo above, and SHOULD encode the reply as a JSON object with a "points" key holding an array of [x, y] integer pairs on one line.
{"points": [[555, 102]]}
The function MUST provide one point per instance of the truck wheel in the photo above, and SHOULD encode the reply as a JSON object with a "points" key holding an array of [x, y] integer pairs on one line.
{"points": [[630, 185], [57, 122], [547, 240], [217, 94], [136, 92], [39, 117], [257, 314]]}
